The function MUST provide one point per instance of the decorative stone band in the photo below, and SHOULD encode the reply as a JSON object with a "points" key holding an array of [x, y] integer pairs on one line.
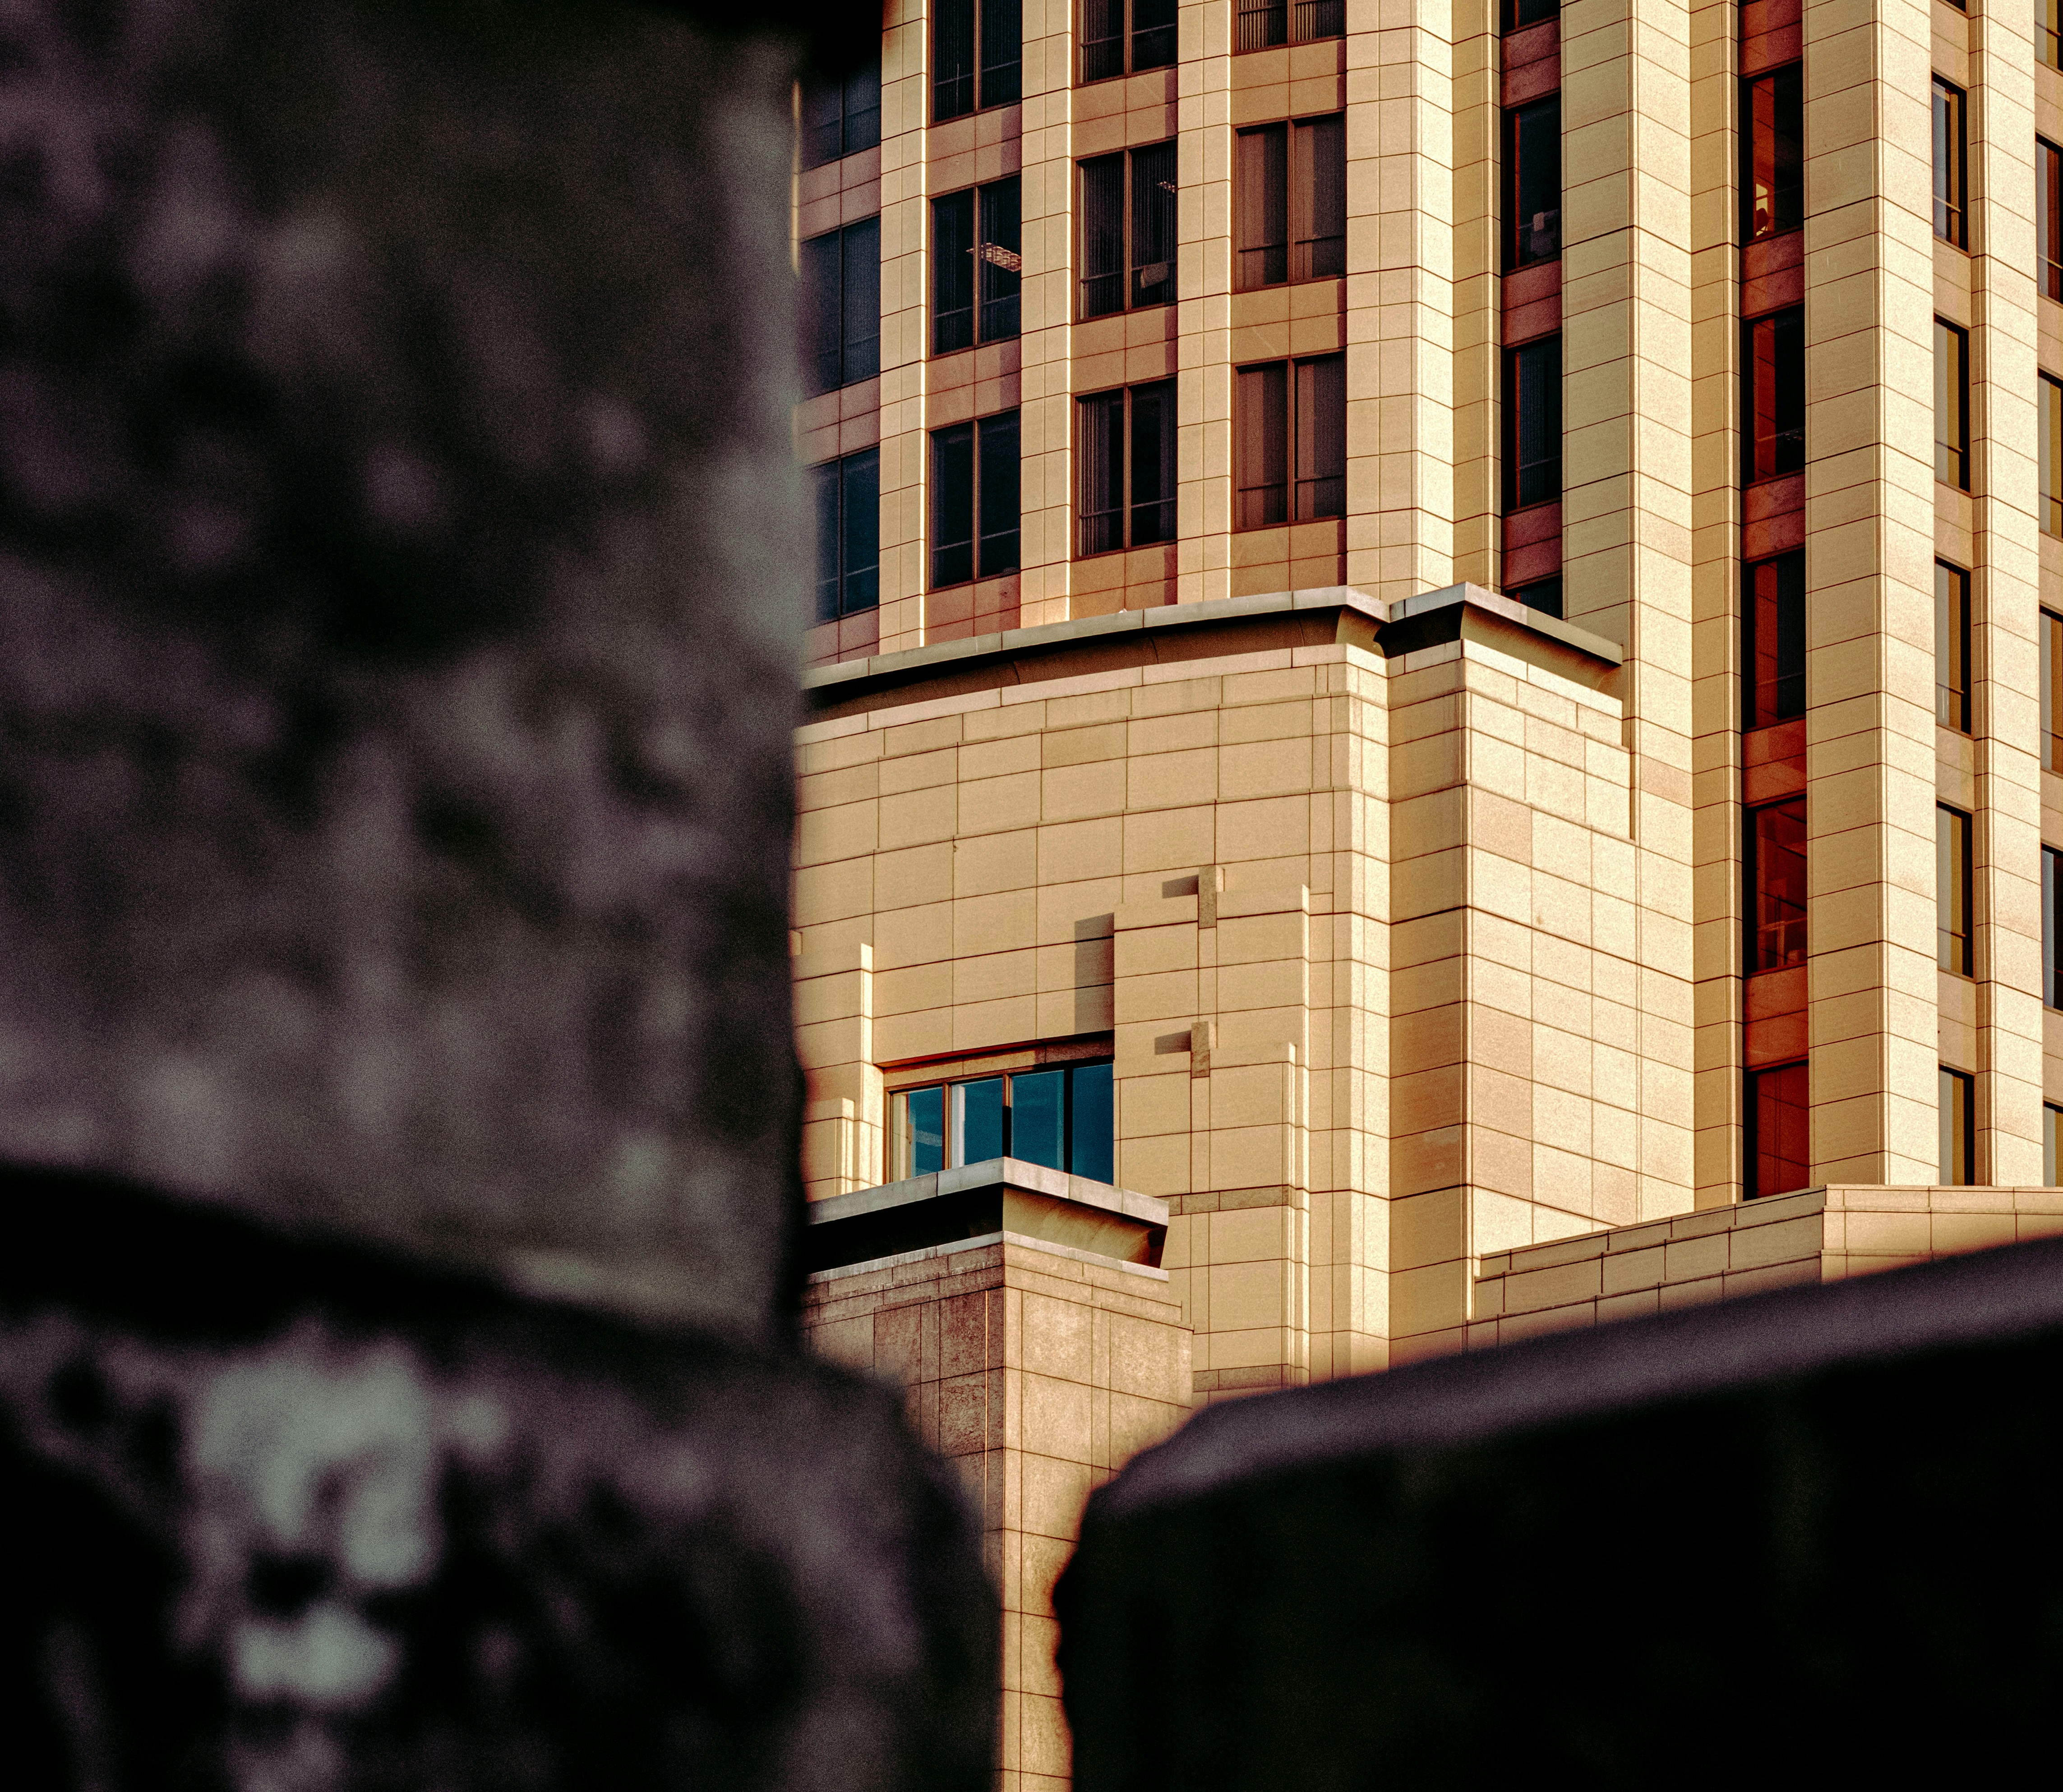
{"points": [[982, 1203]]}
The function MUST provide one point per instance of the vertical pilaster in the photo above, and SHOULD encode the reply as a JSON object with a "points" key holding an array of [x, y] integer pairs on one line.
{"points": [[905, 41], [1044, 414], [1202, 400], [1477, 294]]}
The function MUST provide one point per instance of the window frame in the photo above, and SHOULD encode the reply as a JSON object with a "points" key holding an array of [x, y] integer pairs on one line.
{"points": [[1130, 504], [1958, 1097], [1785, 86], [1798, 1071], [1952, 386], [981, 431], [1787, 957], [1793, 564], [812, 298], [1518, 254], [2050, 460], [1295, 481], [2047, 219], [868, 79], [1955, 890], [993, 262], [1954, 695], [1511, 434], [2052, 1122], [1129, 267], [1127, 38], [1789, 321], [1298, 159], [843, 470], [2051, 928], [1006, 74], [900, 1152], [1326, 19], [1950, 110], [2049, 638]]}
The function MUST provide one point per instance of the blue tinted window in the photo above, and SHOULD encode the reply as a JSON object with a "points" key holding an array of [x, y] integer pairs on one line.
{"points": [[1038, 1117], [928, 1131], [1089, 1130], [978, 1120]]}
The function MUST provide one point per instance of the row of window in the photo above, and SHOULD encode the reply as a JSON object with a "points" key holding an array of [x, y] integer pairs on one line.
{"points": [[1289, 464], [1777, 1115], [1060, 1117]]}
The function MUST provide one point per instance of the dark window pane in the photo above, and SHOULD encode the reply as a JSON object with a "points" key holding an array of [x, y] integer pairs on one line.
{"points": [[1773, 153], [1532, 423], [1261, 421], [1949, 177], [1952, 647], [1959, 1129], [1153, 464], [1261, 198], [1002, 53], [1952, 406], [952, 273], [978, 1120], [824, 503], [1952, 891], [2048, 217], [928, 1131], [1089, 1133], [1153, 225], [823, 123], [824, 329], [952, 504], [2051, 459], [1318, 234], [2051, 927], [2048, 39], [1002, 263], [999, 495], [862, 504], [1321, 437], [1103, 39], [1543, 595], [1774, 652], [1038, 1118], [2051, 688], [863, 300], [1103, 235], [952, 58], [1263, 22], [1101, 449], [1779, 1129], [1776, 886], [1312, 19], [1535, 151], [863, 107], [1152, 33], [1519, 13], [1774, 372], [2051, 1118]]}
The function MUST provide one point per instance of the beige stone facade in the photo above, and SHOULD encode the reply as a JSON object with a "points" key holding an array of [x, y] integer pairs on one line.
{"points": [[1416, 922]]}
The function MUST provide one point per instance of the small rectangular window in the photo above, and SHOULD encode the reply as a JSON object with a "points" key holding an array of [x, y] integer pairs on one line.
{"points": [[1532, 423], [1950, 165], [1959, 1129], [1779, 1115], [1772, 141], [2051, 927], [975, 500], [1952, 405], [1954, 891], [2048, 217], [1291, 422], [976, 266], [2051, 689], [1264, 23], [1128, 222], [1952, 647], [2052, 1117], [977, 55], [1290, 202], [1519, 13], [1059, 1117], [841, 115], [1776, 889], [1773, 398], [1126, 37], [848, 513], [841, 308], [2051, 457], [1533, 181], [1773, 651], [1125, 458]]}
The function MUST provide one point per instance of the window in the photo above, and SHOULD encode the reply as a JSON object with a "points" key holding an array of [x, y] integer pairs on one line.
{"points": [[1543, 595], [1059, 1117], [1779, 1128], [1113, 44], [2052, 685], [1532, 423], [2047, 15], [2051, 927], [1128, 238], [2051, 1118], [1952, 890], [2051, 458], [975, 266], [2048, 217], [842, 306], [848, 510], [1773, 402], [1776, 876], [1951, 166], [1291, 202], [977, 56], [1292, 422], [1533, 181], [1959, 1129], [841, 117], [1263, 23], [1126, 456], [1773, 153], [1773, 621], [974, 499], [1952, 647], [1519, 13], [1952, 405]]}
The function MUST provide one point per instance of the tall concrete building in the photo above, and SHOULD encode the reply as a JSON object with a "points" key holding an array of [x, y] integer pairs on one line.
{"points": [[1426, 617]]}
